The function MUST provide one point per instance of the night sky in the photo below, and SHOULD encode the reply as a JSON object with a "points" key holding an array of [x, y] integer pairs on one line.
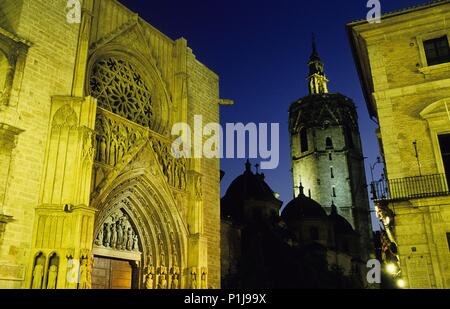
{"points": [[260, 51]]}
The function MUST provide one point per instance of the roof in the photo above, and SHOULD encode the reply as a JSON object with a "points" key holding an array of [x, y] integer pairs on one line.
{"points": [[302, 207], [341, 225], [248, 186]]}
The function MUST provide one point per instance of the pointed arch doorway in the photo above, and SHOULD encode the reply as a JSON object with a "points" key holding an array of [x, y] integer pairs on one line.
{"points": [[117, 256], [139, 241]]}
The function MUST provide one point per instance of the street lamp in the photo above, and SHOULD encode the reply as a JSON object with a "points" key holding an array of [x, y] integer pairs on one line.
{"points": [[372, 168]]}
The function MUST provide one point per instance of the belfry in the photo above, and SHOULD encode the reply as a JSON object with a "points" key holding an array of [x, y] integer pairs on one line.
{"points": [[326, 150]]}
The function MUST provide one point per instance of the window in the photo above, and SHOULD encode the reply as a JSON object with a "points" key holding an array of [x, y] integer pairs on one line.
{"points": [[334, 192], [314, 233], [437, 50], [332, 172], [330, 156], [444, 143], [304, 140], [448, 240], [329, 143]]}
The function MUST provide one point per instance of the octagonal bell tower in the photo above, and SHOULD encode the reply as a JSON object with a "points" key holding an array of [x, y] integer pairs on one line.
{"points": [[326, 150]]}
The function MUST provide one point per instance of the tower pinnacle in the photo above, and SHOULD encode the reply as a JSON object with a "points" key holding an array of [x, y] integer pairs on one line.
{"points": [[318, 82]]}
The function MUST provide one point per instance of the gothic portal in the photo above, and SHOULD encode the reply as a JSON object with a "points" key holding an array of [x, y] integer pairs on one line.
{"points": [[93, 197]]}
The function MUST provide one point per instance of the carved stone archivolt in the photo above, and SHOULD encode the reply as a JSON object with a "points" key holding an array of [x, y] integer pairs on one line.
{"points": [[174, 169], [115, 139], [121, 89], [161, 238], [117, 142]]}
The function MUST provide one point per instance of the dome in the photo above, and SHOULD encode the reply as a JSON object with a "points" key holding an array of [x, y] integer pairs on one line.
{"points": [[303, 207], [248, 186], [341, 225]]}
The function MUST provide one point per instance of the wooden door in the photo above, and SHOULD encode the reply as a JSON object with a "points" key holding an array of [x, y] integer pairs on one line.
{"points": [[110, 273], [121, 274]]}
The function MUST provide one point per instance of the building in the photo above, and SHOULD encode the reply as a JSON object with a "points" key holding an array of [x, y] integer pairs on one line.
{"points": [[326, 152], [90, 195], [404, 67], [301, 248]]}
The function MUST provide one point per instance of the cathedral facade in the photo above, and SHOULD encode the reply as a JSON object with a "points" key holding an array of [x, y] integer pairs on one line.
{"points": [[90, 195]]}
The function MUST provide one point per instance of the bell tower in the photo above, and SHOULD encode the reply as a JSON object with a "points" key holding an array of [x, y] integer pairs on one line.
{"points": [[326, 151], [318, 82]]}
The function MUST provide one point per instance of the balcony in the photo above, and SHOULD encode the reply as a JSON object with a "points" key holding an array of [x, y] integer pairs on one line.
{"points": [[410, 188]]}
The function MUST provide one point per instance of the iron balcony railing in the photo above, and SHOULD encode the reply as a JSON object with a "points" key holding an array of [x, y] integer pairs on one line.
{"points": [[410, 188]]}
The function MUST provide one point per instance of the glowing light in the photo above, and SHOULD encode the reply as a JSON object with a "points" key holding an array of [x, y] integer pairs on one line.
{"points": [[391, 268], [387, 220], [401, 283]]}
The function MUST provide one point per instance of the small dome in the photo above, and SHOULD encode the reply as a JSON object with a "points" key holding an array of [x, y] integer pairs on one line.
{"points": [[248, 186], [303, 207], [341, 225]]}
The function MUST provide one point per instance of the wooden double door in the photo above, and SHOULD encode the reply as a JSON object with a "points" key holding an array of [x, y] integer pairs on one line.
{"points": [[109, 273]]}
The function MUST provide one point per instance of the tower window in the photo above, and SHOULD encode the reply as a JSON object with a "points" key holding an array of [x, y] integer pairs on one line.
{"points": [[332, 172], [330, 156], [437, 50], [318, 181], [334, 192], [304, 140], [329, 143], [314, 233]]}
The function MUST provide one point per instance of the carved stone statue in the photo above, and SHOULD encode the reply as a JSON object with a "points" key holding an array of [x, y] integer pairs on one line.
{"points": [[119, 235], [100, 236], [84, 277], [125, 238], [112, 154], [204, 278], [149, 281], [135, 243], [162, 278], [107, 238], [175, 277], [52, 277], [113, 236], [130, 239], [103, 150], [194, 278], [38, 273], [149, 278]]}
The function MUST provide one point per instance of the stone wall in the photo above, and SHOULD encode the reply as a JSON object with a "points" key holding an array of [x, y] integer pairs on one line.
{"points": [[48, 71], [410, 99]]}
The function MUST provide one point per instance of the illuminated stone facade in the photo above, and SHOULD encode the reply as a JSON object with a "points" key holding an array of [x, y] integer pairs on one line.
{"points": [[404, 66], [87, 181]]}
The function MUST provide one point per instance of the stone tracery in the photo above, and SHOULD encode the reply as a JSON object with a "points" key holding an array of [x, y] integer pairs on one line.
{"points": [[120, 89]]}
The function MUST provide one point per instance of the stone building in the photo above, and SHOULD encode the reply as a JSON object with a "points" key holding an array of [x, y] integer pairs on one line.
{"points": [[326, 152], [90, 195], [404, 66], [301, 248]]}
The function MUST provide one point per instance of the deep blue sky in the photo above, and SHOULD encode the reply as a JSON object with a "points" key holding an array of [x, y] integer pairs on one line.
{"points": [[260, 50]]}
